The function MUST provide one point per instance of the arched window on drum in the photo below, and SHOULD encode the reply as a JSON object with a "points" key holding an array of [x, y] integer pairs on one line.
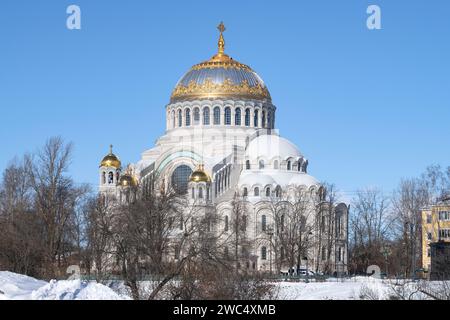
{"points": [[206, 120], [237, 117], [227, 116]]}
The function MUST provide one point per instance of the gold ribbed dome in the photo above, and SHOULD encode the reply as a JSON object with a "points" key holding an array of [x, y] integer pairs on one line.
{"points": [[111, 160], [199, 175], [220, 77]]}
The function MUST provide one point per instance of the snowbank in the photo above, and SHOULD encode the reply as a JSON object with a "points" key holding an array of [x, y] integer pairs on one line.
{"points": [[19, 287]]}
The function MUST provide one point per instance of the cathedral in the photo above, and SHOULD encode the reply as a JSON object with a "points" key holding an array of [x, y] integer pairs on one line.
{"points": [[220, 143]]}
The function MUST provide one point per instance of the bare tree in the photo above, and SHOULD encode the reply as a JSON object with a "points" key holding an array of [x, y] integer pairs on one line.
{"points": [[370, 226], [55, 197]]}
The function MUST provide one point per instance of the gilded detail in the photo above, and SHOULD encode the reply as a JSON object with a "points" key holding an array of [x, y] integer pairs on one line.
{"points": [[220, 77], [210, 89]]}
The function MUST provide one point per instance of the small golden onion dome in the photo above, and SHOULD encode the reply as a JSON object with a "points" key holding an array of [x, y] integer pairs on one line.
{"points": [[111, 160], [128, 181], [199, 175]]}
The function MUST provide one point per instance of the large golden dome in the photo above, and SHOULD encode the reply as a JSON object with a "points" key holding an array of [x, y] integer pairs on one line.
{"points": [[220, 77], [111, 160], [128, 180]]}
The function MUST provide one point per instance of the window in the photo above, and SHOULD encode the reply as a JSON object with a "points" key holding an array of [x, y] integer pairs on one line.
{"points": [[263, 222], [256, 192], [276, 165], [188, 117], [227, 116], [444, 233], [180, 179], [278, 191], [244, 223], [200, 193], [173, 119], [261, 164], [255, 119], [289, 165], [226, 223], [269, 124], [104, 177], [193, 193], [299, 168], [340, 254], [196, 116], [428, 218], [263, 253], [324, 253], [263, 124], [110, 177], [429, 236], [180, 118], [282, 222], [247, 164], [247, 117], [245, 192], [267, 192], [177, 252], [428, 253], [216, 115], [206, 116], [323, 223], [444, 215], [237, 117]]}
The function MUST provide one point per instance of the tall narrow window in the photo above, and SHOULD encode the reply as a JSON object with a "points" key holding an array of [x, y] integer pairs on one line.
{"points": [[200, 193], [227, 116], [263, 120], [289, 165], [196, 116], [104, 177], [188, 117], [111, 178], [237, 117], [299, 166], [216, 115], [263, 222], [206, 120], [255, 119], [269, 119], [256, 191], [244, 223], [247, 165], [173, 119], [245, 192], [261, 164], [247, 117], [267, 192], [180, 118], [226, 227], [263, 253], [278, 191], [276, 164]]}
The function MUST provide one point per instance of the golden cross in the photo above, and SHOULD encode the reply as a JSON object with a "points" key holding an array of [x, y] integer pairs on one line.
{"points": [[221, 27]]}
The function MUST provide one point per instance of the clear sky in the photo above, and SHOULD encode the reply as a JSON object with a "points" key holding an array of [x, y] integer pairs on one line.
{"points": [[365, 107]]}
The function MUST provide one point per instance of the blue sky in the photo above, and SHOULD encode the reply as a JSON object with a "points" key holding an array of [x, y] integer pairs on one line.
{"points": [[366, 107]]}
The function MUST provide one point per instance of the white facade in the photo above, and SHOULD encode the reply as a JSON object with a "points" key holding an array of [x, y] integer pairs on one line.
{"points": [[231, 131]]}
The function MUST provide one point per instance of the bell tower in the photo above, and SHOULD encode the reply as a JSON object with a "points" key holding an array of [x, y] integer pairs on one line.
{"points": [[109, 171]]}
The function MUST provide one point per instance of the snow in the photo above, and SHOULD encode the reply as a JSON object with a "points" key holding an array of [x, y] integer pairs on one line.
{"points": [[332, 289], [20, 287]]}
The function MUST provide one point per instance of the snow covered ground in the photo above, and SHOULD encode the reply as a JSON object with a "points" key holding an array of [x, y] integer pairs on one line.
{"points": [[19, 287], [333, 289]]}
